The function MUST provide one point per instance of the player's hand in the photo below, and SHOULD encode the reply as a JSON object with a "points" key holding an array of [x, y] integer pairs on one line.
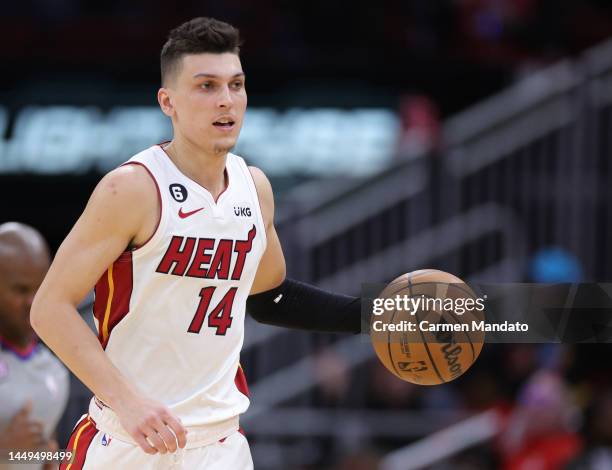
{"points": [[152, 425], [22, 431]]}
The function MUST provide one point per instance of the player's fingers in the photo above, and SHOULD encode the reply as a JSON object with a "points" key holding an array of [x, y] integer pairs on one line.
{"points": [[178, 429], [144, 444], [164, 432], [168, 437], [155, 440]]}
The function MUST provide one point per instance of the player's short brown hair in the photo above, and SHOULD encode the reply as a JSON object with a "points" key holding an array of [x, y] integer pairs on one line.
{"points": [[197, 36]]}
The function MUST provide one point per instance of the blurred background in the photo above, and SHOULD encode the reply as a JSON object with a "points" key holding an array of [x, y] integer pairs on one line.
{"points": [[472, 136]]}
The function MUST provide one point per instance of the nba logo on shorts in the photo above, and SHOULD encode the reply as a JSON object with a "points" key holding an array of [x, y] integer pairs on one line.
{"points": [[106, 440]]}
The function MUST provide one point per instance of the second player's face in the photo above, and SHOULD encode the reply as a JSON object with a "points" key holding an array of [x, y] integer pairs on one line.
{"points": [[210, 100]]}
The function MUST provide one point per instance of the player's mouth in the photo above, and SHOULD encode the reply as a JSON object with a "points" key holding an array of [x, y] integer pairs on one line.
{"points": [[224, 124]]}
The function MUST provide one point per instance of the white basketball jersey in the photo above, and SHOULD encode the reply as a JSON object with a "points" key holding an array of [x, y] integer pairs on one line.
{"points": [[170, 314]]}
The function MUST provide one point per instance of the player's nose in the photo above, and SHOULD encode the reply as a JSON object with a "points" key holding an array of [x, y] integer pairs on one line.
{"points": [[225, 97]]}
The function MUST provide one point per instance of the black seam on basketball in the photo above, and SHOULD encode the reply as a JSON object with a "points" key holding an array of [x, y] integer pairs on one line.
{"points": [[431, 359], [429, 296], [445, 283], [389, 346], [471, 312], [456, 286], [395, 291], [426, 271], [416, 316], [389, 335], [458, 322], [471, 294], [452, 314], [410, 281]]}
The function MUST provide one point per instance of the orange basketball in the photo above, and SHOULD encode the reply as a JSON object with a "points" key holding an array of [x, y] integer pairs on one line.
{"points": [[426, 327]]}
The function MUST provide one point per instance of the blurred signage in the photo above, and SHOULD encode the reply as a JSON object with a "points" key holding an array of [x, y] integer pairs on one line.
{"points": [[61, 139]]}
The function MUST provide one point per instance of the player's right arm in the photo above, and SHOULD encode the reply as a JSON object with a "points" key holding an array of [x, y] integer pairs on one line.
{"points": [[122, 211]]}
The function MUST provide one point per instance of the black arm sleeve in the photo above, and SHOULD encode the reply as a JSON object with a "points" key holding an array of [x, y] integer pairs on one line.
{"points": [[295, 304]]}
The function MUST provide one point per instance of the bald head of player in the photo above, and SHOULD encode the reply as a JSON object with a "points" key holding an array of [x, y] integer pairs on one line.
{"points": [[24, 261]]}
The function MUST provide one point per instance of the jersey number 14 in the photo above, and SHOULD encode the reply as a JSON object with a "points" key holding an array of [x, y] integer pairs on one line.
{"points": [[220, 317]]}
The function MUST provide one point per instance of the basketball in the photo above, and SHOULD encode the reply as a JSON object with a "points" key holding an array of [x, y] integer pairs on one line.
{"points": [[426, 327]]}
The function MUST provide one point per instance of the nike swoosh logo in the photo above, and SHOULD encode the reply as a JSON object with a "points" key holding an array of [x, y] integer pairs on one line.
{"points": [[184, 215]]}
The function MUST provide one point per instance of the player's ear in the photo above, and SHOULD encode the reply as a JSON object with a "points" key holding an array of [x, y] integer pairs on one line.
{"points": [[165, 101]]}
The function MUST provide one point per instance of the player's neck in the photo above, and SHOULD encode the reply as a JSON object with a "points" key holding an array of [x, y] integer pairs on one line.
{"points": [[206, 169]]}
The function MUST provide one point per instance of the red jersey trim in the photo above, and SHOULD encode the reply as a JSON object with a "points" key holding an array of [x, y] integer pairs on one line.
{"points": [[261, 214], [112, 296], [241, 382]]}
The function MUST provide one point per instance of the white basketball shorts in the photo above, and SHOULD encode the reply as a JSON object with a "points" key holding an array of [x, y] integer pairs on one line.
{"points": [[97, 450]]}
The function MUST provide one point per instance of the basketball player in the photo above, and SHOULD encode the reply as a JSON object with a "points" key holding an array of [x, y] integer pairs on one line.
{"points": [[175, 240], [33, 383]]}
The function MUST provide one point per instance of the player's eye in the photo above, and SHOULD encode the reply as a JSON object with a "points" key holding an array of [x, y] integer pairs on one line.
{"points": [[207, 85], [238, 84]]}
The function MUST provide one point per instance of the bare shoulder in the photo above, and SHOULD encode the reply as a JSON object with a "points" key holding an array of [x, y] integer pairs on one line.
{"points": [[261, 180], [264, 192], [128, 194], [127, 181]]}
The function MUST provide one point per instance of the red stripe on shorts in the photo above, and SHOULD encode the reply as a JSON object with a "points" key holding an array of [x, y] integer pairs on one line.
{"points": [[242, 386], [79, 442]]}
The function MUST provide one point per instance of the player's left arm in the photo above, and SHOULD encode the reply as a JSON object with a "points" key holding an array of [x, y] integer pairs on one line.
{"points": [[271, 271], [277, 300]]}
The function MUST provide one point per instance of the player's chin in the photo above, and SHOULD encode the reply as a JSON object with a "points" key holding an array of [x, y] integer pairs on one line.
{"points": [[224, 144]]}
